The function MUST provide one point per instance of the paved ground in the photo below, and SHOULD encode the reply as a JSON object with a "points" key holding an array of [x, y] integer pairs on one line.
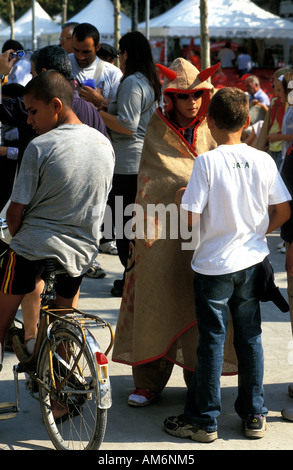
{"points": [[131, 429]]}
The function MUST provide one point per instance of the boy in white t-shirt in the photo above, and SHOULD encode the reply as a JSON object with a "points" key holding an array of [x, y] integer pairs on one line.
{"points": [[236, 196]]}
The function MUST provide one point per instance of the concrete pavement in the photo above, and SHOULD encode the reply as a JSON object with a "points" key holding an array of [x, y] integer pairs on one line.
{"points": [[132, 429]]}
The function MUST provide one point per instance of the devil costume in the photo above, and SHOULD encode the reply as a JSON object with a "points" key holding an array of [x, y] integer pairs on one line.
{"points": [[157, 323]]}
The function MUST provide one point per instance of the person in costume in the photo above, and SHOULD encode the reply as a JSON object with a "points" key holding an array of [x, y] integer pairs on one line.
{"points": [[157, 326]]}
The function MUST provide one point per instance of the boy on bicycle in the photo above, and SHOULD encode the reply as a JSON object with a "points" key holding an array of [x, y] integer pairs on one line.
{"points": [[59, 198]]}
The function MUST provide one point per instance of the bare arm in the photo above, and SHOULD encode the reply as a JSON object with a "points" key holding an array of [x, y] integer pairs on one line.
{"points": [[112, 123], [14, 217], [278, 214]]}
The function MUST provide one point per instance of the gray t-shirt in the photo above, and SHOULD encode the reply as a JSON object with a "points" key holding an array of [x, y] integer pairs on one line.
{"points": [[134, 106], [64, 181]]}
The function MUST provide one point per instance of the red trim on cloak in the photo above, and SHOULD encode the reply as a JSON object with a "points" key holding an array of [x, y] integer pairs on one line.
{"points": [[178, 133]]}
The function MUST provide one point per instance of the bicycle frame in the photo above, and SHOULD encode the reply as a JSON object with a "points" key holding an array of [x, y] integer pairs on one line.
{"points": [[75, 321]]}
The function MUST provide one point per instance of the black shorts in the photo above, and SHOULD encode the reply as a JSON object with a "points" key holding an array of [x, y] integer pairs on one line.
{"points": [[18, 276]]}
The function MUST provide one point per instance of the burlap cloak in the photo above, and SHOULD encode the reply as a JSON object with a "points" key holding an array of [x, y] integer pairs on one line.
{"points": [[157, 317]]}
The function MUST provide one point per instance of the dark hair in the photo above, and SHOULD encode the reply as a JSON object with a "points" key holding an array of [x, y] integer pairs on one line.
{"points": [[86, 30], [53, 57], [229, 107], [13, 90], [48, 85], [12, 44], [140, 59]]}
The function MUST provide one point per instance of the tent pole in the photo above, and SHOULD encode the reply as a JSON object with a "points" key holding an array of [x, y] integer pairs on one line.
{"points": [[147, 19], [34, 37]]}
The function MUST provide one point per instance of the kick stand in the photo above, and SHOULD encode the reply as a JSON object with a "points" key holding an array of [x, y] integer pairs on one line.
{"points": [[9, 409]]}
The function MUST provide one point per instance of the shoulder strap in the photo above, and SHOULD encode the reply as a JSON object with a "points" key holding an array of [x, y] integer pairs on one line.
{"points": [[99, 70]]}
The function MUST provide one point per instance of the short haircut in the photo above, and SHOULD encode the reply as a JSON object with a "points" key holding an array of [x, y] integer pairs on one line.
{"points": [[229, 107], [86, 30], [53, 57], [48, 85], [13, 90], [254, 79], [70, 24]]}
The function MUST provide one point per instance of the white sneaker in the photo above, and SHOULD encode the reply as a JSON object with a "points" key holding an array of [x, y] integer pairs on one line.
{"points": [[108, 247]]}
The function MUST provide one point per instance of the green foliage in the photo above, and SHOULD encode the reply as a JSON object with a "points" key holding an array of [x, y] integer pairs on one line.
{"points": [[54, 7]]}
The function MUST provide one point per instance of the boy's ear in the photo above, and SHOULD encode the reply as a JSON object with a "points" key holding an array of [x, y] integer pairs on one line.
{"points": [[57, 103], [247, 124], [210, 122]]}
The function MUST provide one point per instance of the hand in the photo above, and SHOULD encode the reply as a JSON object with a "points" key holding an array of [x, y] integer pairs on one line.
{"points": [[6, 62], [91, 95], [178, 196], [273, 137], [3, 151]]}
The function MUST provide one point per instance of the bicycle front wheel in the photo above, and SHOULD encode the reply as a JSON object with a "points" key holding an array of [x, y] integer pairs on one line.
{"points": [[83, 424]]}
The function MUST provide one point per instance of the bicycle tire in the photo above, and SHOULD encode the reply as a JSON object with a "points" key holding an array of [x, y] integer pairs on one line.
{"points": [[85, 426]]}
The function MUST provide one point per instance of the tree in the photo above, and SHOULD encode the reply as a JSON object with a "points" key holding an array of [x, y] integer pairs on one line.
{"points": [[204, 35]]}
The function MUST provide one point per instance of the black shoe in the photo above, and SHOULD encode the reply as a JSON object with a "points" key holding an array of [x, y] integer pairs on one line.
{"points": [[178, 427], [117, 289], [255, 426]]}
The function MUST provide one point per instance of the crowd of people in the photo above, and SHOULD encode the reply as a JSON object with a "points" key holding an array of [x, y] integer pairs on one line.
{"points": [[89, 134]]}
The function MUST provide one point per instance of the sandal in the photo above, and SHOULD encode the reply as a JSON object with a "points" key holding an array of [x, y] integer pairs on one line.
{"points": [[141, 397]]}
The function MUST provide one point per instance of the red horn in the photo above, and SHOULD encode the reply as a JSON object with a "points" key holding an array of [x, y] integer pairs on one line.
{"points": [[207, 73], [168, 73]]}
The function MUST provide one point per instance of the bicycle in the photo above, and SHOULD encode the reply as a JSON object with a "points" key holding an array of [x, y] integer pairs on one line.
{"points": [[67, 370]]}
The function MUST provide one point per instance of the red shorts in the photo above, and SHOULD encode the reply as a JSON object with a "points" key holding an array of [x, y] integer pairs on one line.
{"points": [[18, 276]]}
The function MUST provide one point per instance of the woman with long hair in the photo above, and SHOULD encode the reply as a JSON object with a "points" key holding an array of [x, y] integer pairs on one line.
{"points": [[127, 119]]}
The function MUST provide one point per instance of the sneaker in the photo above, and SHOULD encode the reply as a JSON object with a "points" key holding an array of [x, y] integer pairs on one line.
{"points": [[95, 271], [178, 427], [255, 426], [108, 247], [141, 397]]}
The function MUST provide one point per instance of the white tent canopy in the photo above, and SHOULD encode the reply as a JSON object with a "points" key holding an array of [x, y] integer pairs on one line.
{"points": [[23, 27], [226, 18], [100, 13], [3, 24]]}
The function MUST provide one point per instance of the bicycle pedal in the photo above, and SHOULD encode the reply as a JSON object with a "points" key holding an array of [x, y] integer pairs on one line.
{"points": [[8, 410]]}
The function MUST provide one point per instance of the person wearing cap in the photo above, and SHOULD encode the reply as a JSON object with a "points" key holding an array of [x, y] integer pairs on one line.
{"points": [[156, 326], [107, 53]]}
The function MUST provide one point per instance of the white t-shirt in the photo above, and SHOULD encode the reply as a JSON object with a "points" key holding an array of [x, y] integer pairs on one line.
{"points": [[108, 80], [232, 187], [226, 57]]}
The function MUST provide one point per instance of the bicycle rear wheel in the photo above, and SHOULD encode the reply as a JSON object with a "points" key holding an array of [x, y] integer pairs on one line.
{"points": [[84, 424]]}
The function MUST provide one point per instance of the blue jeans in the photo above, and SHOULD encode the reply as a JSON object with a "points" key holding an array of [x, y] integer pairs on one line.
{"points": [[215, 298]]}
